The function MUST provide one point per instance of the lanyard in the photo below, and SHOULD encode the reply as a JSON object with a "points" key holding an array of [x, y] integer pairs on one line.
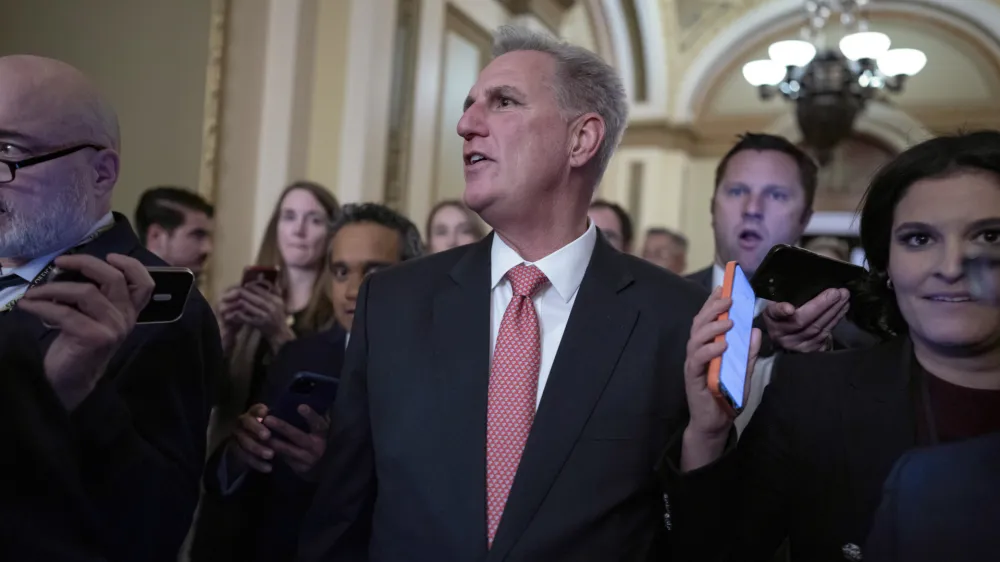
{"points": [[46, 271]]}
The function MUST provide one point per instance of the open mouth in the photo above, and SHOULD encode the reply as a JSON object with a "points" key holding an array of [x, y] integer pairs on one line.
{"points": [[475, 158], [750, 238]]}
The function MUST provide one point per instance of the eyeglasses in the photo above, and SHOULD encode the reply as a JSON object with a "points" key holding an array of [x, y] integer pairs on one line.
{"points": [[7, 171]]}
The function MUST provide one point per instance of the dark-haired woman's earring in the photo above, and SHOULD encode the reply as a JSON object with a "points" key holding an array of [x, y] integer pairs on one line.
{"points": [[888, 284]]}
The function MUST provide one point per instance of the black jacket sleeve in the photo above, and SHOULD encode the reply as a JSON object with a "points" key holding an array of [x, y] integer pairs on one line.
{"points": [[140, 435], [338, 525]]}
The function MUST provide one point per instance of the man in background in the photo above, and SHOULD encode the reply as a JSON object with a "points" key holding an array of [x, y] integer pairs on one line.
{"points": [[259, 488], [666, 248], [176, 224], [614, 223]]}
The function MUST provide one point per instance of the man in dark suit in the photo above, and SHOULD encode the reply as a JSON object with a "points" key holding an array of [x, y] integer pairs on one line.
{"points": [[507, 400], [258, 489], [140, 429], [47, 510], [941, 503]]}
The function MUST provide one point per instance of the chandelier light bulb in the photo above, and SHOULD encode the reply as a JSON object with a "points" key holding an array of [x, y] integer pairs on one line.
{"points": [[902, 62], [763, 73], [792, 53], [865, 45]]}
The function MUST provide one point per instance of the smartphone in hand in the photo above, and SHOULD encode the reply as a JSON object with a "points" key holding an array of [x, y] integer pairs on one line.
{"points": [[727, 375], [312, 389], [171, 289], [258, 273], [796, 275]]}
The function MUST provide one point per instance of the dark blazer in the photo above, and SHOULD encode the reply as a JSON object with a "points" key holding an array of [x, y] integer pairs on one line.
{"points": [[260, 520], [809, 466], [941, 503], [133, 450], [405, 477], [46, 512]]}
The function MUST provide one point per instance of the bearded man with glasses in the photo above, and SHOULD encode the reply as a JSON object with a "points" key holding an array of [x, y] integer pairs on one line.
{"points": [[137, 428]]}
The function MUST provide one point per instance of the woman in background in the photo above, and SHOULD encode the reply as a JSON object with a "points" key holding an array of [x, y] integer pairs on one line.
{"points": [[451, 224], [258, 319], [811, 464]]}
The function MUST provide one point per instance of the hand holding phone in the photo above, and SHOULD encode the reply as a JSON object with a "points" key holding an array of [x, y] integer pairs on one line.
{"points": [[711, 415], [727, 374], [171, 288], [265, 274]]}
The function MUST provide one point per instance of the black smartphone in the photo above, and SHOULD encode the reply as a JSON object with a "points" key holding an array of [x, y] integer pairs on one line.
{"points": [[795, 275], [172, 287], [312, 389]]}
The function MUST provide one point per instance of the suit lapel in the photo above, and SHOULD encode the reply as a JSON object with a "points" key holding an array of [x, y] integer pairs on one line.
{"points": [[703, 277], [461, 359], [599, 326], [878, 422]]}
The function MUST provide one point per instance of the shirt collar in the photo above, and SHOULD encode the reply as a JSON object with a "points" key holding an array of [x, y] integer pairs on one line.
{"points": [[564, 268], [718, 274], [30, 270]]}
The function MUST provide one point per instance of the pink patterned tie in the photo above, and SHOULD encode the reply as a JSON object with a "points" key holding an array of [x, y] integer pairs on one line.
{"points": [[513, 390]]}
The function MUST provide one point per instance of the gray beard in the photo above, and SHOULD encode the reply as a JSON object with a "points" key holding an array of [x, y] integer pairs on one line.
{"points": [[58, 224]]}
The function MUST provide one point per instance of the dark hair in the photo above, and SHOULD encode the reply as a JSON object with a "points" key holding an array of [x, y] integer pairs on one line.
{"points": [[411, 246], [165, 206], [477, 227], [808, 170], [936, 158], [623, 218], [677, 237]]}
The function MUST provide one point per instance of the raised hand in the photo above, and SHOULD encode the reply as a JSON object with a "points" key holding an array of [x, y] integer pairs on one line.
{"points": [[708, 429], [808, 328]]}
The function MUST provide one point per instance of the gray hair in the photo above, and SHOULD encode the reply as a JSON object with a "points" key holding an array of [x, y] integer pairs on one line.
{"points": [[584, 83]]}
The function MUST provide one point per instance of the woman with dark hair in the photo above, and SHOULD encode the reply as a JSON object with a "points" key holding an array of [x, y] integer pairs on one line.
{"points": [[451, 224], [811, 464]]}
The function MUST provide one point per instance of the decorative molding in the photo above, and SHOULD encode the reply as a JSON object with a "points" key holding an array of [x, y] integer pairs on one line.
{"points": [[549, 12], [726, 48], [395, 193], [898, 127], [208, 173]]}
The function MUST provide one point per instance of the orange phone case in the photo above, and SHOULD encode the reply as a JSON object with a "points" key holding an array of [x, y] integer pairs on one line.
{"points": [[715, 366]]}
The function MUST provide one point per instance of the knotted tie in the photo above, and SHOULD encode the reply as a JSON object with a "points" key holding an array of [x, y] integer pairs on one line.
{"points": [[513, 390]]}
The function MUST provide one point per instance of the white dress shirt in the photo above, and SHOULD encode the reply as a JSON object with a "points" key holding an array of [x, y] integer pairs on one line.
{"points": [[564, 269], [30, 270]]}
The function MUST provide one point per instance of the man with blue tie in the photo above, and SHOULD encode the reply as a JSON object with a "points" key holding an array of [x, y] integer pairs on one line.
{"points": [[510, 399]]}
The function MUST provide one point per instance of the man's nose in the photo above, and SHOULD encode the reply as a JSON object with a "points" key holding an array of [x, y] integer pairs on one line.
{"points": [[472, 124], [753, 206]]}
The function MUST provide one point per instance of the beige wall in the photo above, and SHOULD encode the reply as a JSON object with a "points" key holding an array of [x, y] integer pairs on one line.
{"points": [[148, 56]]}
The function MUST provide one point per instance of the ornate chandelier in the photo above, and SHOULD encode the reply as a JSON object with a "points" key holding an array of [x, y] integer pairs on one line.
{"points": [[830, 87]]}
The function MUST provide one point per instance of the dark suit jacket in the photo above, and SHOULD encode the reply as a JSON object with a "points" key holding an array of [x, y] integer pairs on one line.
{"points": [[133, 450], [941, 503], [406, 472], [809, 466], [45, 510], [260, 520]]}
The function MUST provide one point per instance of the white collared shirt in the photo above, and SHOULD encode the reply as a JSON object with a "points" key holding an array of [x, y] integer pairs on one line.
{"points": [[564, 269], [30, 270]]}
